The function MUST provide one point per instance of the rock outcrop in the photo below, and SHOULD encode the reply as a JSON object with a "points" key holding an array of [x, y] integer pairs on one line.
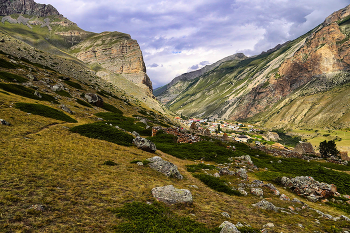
{"points": [[171, 195], [26, 7], [167, 168], [144, 144]]}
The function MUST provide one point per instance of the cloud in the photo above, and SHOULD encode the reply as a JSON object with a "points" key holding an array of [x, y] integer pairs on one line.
{"points": [[153, 65], [182, 34], [194, 67]]}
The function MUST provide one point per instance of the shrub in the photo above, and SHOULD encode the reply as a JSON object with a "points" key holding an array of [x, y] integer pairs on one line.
{"points": [[81, 102], [26, 92], [110, 163], [73, 84], [216, 184], [103, 131], [12, 77], [64, 93], [6, 64], [328, 149], [111, 108], [43, 110], [157, 218]]}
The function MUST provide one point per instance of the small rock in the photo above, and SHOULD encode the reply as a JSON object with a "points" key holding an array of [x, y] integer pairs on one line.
{"points": [[225, 214], [283, 197], [265, 205], [37, 207], [171, 195], [193, 186], [165, 167], [239, 225], [216, 175], [36, 93], [32, 77], [269, 225], [225, 171], [136, 134], [140, 163], [296, 200], [242, 191], [242, 173], [279, 161], [227, 227], [343, 217], [66, 109], [257, 192], [3, 122], [300, 225]]}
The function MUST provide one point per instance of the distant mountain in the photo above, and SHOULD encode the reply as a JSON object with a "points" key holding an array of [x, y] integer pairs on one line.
{"points": [[302, 83], [170, 91]]}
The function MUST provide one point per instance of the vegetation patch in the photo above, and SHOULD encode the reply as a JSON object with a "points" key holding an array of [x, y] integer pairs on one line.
{"points": [[199, 167], [6, 64], [73, 84], [103, 131], [110, 163], [111, 108], [26, 92], [12, 77], [81, 102], [217, 184], [43, 110], [157, 218], [64, 93]]}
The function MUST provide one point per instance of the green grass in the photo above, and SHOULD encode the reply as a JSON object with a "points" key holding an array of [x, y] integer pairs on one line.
{"points": [[26, 92], [103, 131], [156, 218], [43, 110], [6, 64], [199, 167], [12, 77], [217, 184], [83, 103], [64, 93], [73, 84], [111, 108]]}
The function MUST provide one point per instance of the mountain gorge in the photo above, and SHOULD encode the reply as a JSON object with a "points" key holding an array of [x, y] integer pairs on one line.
{"points": [[300, 83]]}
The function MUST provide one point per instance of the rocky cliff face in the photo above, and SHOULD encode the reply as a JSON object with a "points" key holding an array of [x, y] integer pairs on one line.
{"points": [[116, 53], [28, 7], [269, 88]]}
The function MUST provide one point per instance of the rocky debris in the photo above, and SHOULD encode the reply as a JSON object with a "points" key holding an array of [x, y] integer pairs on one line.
{"points": [[94, 99], [57, 87], [310, 188], [28, 7], [144, 144], [296, 200], [226, 172], [171, 195], [242, 191], [216, 175], [140, 163], [265, 205], [165, 167], [182, 137], [36, 93], [284, 197], [136, 134], [228, 227], [257, 192], [245, 158], [3, 122], [37, 207], [256, 183], [327, 216], [32, 77], [66, 109], [337, 160], [272, 188], [242, 173], [226, 215], [304, 148], [269, 225]]}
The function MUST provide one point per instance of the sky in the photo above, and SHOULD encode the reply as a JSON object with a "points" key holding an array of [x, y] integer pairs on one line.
{"points": [[180, 36]]}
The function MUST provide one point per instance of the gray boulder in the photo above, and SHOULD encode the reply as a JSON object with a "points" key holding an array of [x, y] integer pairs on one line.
{"points": [[265, 205], [257, 192], [171, 195], [136, 134], [94, 99], [242, 173], [228, 227], [57, 87], [165, 167], [32, 77], [3, 122], [144, 144], [225, 171], [66, 109]]}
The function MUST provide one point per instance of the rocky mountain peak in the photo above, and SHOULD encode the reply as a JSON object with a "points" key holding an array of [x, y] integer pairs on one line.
{"points": [[28, 7]]}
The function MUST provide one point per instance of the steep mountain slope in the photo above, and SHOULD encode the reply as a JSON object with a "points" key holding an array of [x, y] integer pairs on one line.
{"points": [[177, 85], [113, 56], [261, 88]]}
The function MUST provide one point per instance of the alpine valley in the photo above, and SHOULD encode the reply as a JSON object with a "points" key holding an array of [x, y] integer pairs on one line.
{"points": [[85, 146]]}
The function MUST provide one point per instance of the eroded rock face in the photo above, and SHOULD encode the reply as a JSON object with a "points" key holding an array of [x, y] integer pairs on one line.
{"points": [[28, 7], [171, 195], [228, 227], [117, 53]]}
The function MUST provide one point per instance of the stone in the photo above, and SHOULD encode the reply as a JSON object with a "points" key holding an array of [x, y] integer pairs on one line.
{"points": [[165, 167], [66, 109], [269, 225], [343, 217], [296, 200], [284, 197], [3, 122], [57, 87], [272, 188], [37, 207], [265, 205], [225, 171], [136, 134], [257, 192], [140, 163], [225, 214], [94, 99], [228, 227], [193, 186], [242, 173], [144, 144], [32, 77], [171, 195], [36, 93], [242, 191], [256, 183], [216, 175]]}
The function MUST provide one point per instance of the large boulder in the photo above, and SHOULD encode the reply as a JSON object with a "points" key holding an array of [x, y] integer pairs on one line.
{"points": [[265, 205], [228, 227], [171, 195], [144, 144], [165, 167], [94, 99]]}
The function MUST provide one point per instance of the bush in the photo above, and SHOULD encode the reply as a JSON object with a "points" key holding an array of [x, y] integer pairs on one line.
{"points": [[157, 218], [73, 84], [6, 64], [43, 110], [26, 92], [81, 102], [328, 149], [111, 108], [110, 163], [103, 131], [64, 93], [216, 184], [12, 77]]}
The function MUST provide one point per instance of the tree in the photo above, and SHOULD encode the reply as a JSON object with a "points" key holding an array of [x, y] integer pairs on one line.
{"points": [[328, 149]]}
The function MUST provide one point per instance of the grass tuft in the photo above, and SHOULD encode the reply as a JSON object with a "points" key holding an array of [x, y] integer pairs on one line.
{"points": [[110, 163], [83, 103], [43, 110], [111, 108], [73, 84], [216, 184], [12, 77]]}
